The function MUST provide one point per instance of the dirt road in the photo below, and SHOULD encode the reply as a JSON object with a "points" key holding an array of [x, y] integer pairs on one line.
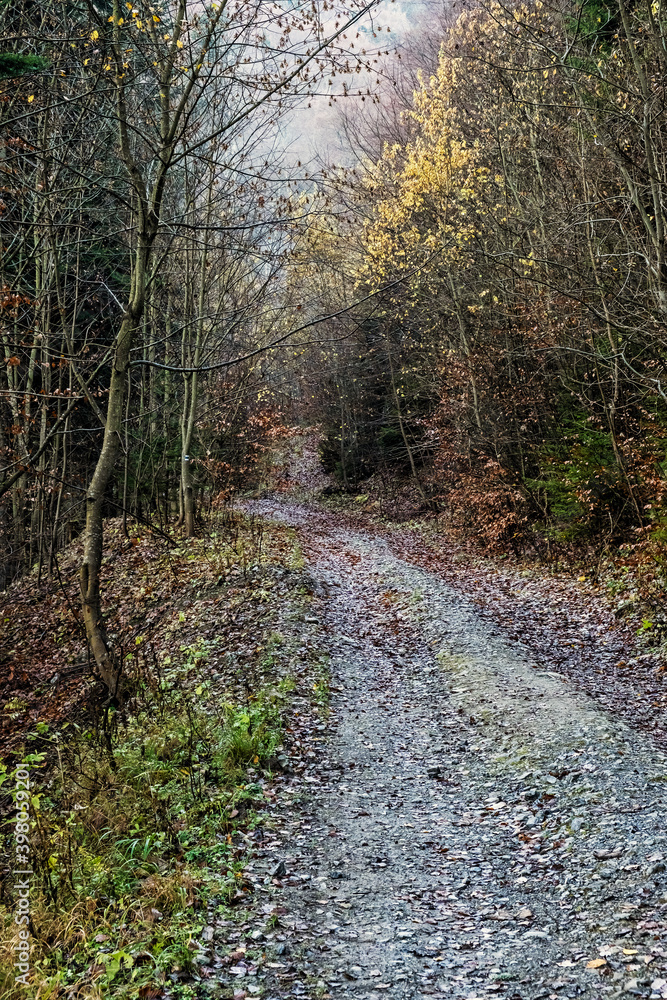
{"points": [[470, 825]]}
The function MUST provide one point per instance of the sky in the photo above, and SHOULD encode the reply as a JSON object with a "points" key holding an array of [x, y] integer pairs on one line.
{"points": [[313, 133]]}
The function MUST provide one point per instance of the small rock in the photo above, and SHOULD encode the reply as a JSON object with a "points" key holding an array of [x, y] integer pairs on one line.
{"points": [[279, 870]]}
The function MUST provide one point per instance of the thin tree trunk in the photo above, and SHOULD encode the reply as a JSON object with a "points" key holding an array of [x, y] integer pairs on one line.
{"points": [[108, 664]]}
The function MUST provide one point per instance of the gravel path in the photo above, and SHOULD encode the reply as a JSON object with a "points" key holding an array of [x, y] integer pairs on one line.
{"points": [[470, 824]]}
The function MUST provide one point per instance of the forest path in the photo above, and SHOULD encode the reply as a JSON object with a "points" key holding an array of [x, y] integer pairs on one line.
{"points": [[471, 825]]}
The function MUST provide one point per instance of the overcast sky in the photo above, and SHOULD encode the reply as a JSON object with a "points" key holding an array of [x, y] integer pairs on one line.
{"points": [[313, 131]]}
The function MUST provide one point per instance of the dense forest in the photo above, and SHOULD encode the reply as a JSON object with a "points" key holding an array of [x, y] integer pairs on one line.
{"points": [[485, 277], [510, 223], [466, 306]]}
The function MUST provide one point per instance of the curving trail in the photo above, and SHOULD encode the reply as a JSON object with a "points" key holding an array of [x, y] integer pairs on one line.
{"points": [[471, 825]]}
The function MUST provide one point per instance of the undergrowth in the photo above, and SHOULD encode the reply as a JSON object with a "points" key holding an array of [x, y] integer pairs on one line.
{"points": [[134, 810]]}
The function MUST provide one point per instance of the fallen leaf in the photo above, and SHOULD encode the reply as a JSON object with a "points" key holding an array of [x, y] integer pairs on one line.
{"points": [[596, 963], [501, 915]]}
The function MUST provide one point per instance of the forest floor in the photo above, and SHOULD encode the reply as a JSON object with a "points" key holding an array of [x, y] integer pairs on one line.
{"points": [[471, 822]]}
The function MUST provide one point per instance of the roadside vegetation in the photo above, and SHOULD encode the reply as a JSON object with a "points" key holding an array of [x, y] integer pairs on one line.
{"points": [[144, 810]]}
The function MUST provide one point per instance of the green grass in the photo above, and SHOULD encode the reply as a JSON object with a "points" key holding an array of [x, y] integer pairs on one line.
{"points": [[136, 826], [132, 840]]}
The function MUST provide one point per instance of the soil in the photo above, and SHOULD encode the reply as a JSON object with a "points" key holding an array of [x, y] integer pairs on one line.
{"points": [[469, 823]]}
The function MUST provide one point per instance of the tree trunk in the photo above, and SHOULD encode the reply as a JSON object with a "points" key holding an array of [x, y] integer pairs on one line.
{"points": [[108, 664], [188, 497]]}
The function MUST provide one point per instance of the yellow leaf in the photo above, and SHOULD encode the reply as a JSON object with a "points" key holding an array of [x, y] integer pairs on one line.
{"points": [[629, 951], [94, 35], [31, 99], [596, 963], [179, 43]]}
